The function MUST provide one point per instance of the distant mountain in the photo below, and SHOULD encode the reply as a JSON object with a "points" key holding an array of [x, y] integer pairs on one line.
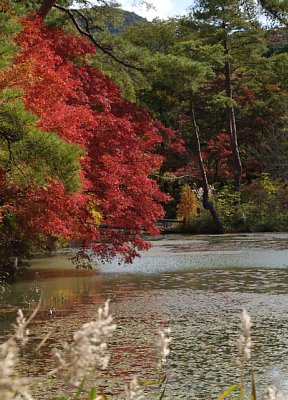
{"points": [[129, 18]]}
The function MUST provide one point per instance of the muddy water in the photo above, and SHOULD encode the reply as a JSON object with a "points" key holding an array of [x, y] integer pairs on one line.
{"points": [[197, 286]]}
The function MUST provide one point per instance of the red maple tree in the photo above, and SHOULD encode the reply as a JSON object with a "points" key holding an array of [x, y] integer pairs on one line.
{"points": [[118, 200]]}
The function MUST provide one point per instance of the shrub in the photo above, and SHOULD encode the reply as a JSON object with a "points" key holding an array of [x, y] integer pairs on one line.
{"points": [[260, 208]]}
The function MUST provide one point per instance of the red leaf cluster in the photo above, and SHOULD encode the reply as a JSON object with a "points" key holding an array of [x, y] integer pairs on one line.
{"points": [[218, 156]]}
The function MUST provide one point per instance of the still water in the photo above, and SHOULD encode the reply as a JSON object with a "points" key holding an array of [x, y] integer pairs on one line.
{"points": [[196, 285]]}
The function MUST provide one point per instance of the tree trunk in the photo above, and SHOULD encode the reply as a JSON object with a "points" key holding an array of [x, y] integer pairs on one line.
{"points": [[237, 165], [208, 205], [45, 8]]}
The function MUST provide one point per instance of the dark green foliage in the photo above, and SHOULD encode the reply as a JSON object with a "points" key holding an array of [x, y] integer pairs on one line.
{"points": [[30, 156], [277, 41]]}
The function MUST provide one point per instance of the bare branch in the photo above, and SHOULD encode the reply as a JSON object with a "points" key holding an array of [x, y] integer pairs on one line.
{"points": [[87, 20]]}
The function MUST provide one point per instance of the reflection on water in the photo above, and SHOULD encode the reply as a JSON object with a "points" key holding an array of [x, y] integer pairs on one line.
{"points": [[195, 288]]}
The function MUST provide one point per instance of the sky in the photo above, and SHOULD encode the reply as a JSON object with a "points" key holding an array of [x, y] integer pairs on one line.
{"points": [[163, 8]]}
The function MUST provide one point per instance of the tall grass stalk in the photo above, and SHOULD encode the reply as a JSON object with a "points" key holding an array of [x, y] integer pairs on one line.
{"points": [[88, 352], [244, 344]]}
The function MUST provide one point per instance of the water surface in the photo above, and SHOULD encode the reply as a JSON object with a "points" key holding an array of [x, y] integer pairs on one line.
{"points": [[196, 285]]}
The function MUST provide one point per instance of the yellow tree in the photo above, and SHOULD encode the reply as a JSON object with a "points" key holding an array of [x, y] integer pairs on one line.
{"points": [[187, 208]]}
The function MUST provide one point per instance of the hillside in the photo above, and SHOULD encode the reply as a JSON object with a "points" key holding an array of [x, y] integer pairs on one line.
{"points": [[128, 18]]}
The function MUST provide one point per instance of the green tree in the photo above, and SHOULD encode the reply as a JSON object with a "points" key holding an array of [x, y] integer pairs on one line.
{"points": [[197, 61], [232, 27], [29, 156]]}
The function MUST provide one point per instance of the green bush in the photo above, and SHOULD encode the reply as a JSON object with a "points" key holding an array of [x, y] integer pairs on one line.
{"points": [[200, 224], [260, 208]]}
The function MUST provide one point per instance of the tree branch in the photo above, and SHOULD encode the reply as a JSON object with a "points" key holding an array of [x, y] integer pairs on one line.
{"points": [[274, 12], [45, 8], [90, 36]]}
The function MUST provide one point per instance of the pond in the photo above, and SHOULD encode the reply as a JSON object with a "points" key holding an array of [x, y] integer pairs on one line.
{"points": [[197, 285]]}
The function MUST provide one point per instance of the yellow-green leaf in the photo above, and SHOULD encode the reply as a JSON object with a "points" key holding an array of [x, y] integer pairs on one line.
{"points": [[228, 391], [253, 387]]}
